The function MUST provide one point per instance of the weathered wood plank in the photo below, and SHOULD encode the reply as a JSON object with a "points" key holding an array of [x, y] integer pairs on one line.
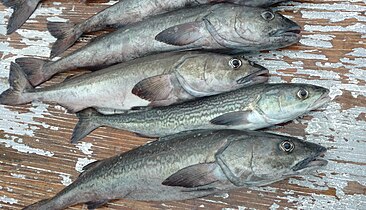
{"points": [[37, 160]]}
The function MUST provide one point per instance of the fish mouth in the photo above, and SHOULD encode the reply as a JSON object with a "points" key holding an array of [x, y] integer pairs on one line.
{"points": [[312, 162], [260, 76], [293, 31], [323, 99]]}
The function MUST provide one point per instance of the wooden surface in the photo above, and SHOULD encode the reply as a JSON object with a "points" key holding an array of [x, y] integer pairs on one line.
{"points": [[37, 160]]}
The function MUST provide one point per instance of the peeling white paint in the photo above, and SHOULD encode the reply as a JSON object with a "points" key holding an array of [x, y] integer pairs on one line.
{"points": [[223, 195], [344, 6], [5, 199], [212, 201], [358, 52], [357, 27], [333, 16], [317, 40], [85, 147], [23, 147], [167, 206], [316, 43], [19, 176], [274, 206], [66, 180]]}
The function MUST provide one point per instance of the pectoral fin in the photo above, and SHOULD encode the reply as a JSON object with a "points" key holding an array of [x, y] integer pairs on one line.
{"points": [[89, 167], [193, 176], [232, 118], [181, 35], [154, 88]]}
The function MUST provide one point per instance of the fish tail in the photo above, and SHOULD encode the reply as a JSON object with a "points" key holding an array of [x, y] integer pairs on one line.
{"points": [[66, 34], [23, 9], [33, 69], [85, 125], [18, 87]]}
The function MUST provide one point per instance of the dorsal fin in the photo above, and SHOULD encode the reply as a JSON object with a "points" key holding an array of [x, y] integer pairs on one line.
{"points": [[89, 167]]}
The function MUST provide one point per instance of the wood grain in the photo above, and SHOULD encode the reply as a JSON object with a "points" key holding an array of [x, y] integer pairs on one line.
{"points": [[37, 159]]}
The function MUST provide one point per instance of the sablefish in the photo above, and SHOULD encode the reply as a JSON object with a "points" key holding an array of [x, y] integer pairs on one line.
{"points": [[221, 27], [127, 12], [190, 165], [156, 80]]}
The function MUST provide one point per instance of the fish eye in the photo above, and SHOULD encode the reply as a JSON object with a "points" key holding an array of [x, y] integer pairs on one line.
{"points": [[302, 94], [287, 146], [268, 15], [235, 63]]}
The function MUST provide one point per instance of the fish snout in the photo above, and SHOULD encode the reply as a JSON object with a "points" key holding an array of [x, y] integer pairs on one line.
{"points": [[288, 28], [323, 99]]}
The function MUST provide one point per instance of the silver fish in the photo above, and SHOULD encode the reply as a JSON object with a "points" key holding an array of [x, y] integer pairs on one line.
{"points": [[253, 107], [190, 165], [219, 27], [156, 80], [23, 9], [126, 12]]}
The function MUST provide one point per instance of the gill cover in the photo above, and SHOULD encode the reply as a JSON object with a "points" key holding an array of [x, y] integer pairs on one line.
{"points": [[235, 161]]}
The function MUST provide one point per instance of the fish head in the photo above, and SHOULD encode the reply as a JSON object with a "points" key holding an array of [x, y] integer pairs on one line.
{"points": [[283, 102], [264, 29], [276, 157], [203, 74]]}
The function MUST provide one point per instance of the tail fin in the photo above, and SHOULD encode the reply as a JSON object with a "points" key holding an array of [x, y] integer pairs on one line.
{"points": [[85, 125], [23, 9], [66, 34], [33, 69], [18, 86]]}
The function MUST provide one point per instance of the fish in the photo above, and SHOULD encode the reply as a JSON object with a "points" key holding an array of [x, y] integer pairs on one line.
{"points": [[23, 9], [253, 107], [190, 165], [156, 80], [225, 28], [124, 13]]}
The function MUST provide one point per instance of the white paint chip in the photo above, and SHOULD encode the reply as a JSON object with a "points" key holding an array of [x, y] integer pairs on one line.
{"points": [[66, 180], [5, 199], [85, 147], [24, 148], [19, 176]]}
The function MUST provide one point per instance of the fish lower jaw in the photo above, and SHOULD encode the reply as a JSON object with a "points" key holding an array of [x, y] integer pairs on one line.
{"points": [[320, 102], [309, 165]]}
